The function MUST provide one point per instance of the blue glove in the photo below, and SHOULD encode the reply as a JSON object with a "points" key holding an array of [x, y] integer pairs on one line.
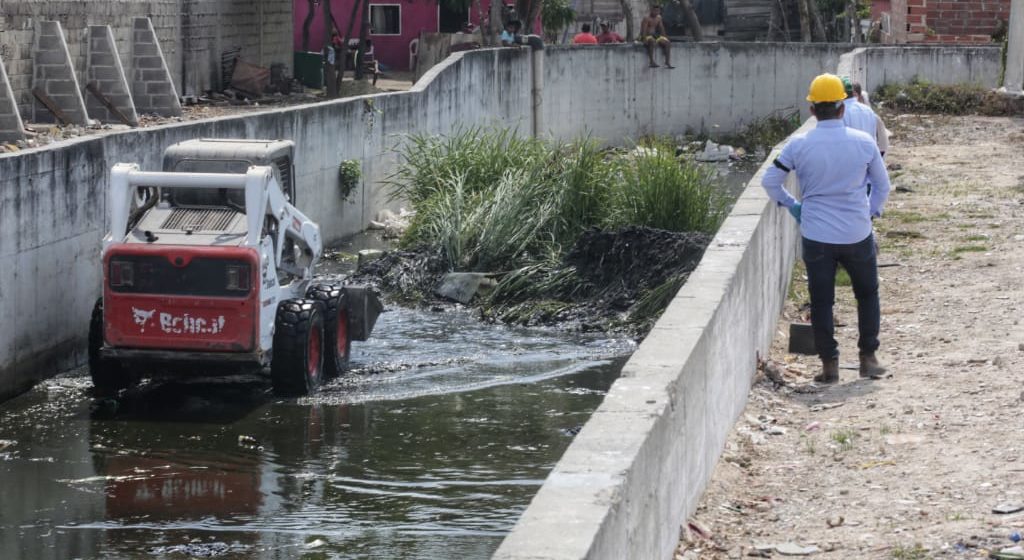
{"points": [[795, 211]]}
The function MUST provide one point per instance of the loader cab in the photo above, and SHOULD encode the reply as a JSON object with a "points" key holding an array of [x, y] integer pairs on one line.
{"points": [[211, 155]]}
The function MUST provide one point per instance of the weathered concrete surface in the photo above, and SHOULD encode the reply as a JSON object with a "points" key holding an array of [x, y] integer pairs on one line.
{"points": [[640, 463], [877, 66], [103, 69], [638, 467], [11, 127], [153, 88], [54, 75], [611, 92]]}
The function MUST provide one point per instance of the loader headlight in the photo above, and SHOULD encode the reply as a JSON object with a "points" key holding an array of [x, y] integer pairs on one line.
{"points": [[238, 277], [122, 273]]}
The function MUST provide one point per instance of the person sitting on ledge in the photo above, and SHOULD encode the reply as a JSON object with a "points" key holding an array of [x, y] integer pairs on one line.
{"points": [[585, 37], [609, 37], [652, 32]]}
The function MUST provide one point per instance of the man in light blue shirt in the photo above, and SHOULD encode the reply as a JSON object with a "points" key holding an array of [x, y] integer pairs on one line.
{"points": [[859, 116], [833, 163]]}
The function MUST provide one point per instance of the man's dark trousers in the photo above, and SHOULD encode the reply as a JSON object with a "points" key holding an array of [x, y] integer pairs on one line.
{"points": [[859, 260]]}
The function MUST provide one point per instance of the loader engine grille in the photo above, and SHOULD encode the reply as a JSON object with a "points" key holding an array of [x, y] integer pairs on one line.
{"points": [[200, 276], [199, 219]]}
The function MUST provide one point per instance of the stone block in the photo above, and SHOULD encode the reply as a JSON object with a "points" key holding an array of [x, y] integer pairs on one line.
{"points": [[103, 68], [55, 75]]}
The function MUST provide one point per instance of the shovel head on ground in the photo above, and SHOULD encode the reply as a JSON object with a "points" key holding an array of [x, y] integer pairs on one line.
{"points": [[801, 339]]}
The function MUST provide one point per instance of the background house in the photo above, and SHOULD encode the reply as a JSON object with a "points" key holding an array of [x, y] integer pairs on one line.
{"points": [[394, 25]]}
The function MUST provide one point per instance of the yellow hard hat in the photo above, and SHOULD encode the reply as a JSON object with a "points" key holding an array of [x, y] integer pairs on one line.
{"points": [[826, 88]]}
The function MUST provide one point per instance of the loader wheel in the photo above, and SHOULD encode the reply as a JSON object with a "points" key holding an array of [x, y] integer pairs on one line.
{"points": [[338, 339], [108, 376], [298, 360]]}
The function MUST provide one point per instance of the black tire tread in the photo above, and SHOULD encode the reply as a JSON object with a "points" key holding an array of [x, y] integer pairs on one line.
{"points": [[333, 299], [294, 319]]}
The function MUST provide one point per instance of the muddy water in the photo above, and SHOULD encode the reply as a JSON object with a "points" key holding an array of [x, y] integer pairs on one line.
{"points": [[431, 448]]}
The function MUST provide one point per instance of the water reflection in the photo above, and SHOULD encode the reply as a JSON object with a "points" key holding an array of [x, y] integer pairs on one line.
{"points": [[431, 452]]}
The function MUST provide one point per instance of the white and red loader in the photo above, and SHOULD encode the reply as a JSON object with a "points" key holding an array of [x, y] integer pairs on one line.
{"points": [[208, 270]]}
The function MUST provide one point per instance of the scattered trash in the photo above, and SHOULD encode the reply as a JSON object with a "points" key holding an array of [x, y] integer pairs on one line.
{"points": [[316, 544], [825, 406], [394, 225], [1006, 508], [249, 442], [776, 431], [873, 464], [464, 286], [835, 522], [793, 549], [1015, 536], [812, 427], [715, 152], [1011, 553], [366, 256]]}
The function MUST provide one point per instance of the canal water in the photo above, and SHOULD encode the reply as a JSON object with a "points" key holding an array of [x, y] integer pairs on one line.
{"points": [[431, 448]]}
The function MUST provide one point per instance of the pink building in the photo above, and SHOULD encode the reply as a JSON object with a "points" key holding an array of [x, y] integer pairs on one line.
{"points": [[394, 25]]}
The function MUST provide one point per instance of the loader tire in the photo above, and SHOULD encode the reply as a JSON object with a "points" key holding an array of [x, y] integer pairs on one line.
{"points": [[297, 366], [337, 336], [108, 376]]}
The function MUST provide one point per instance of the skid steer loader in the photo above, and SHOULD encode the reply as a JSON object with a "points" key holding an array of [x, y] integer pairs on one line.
{"points": [[208, 270]]}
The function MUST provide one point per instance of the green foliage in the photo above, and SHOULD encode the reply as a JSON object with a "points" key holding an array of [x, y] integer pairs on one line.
{"points": [[658, 190], [556, 15], [766, 132], [492, 200], [920, 96], [349, 173]]}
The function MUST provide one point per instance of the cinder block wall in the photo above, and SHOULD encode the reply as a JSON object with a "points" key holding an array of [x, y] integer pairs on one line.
{"points": [[192, 34]]}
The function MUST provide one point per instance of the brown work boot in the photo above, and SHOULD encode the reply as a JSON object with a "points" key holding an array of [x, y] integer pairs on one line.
{"points": [[829, 371], [870, 368]]}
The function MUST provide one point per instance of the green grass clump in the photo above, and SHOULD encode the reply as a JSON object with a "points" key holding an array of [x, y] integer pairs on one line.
{"points": [[496, 202], [920, 96]]}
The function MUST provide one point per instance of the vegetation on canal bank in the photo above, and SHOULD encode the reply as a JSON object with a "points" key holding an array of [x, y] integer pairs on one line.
{"points": [[569, 232], [920, 96]]}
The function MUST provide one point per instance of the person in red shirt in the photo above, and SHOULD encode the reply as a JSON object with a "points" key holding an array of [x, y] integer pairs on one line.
{"points": [[608, 36], [585, 37]]}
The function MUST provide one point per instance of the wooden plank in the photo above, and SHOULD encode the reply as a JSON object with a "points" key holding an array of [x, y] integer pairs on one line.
{"points": [[50, 105], [94, 89]]}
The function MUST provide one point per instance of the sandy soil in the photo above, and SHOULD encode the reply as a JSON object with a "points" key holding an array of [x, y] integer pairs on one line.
{"points": [[908, 467]]}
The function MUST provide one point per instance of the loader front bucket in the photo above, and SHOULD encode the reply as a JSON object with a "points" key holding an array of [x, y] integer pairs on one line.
{"points": [[363, 309]]}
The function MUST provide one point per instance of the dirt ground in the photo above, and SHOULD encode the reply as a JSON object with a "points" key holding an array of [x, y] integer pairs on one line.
{"points": [[42, 134], [912, 466]]}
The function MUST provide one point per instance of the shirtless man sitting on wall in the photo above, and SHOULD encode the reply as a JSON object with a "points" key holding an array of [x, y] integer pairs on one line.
{"points": [[652, 32]]}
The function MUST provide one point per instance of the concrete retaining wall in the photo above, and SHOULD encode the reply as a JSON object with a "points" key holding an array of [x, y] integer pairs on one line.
{"points": [[720, 87], [638, 467], [877, 66]]}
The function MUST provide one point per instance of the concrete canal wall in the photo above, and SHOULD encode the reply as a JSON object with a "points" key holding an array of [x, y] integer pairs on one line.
{"points": [[639, 465]]}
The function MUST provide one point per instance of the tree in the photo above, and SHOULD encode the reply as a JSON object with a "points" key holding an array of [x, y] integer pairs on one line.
{"points": [[555, 15], [307, 24], [330, 83], [805, 20], [692, 23]]}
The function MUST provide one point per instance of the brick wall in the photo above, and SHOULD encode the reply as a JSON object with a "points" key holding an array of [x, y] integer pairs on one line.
{"points": [[212, 26], [954, 21]]}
